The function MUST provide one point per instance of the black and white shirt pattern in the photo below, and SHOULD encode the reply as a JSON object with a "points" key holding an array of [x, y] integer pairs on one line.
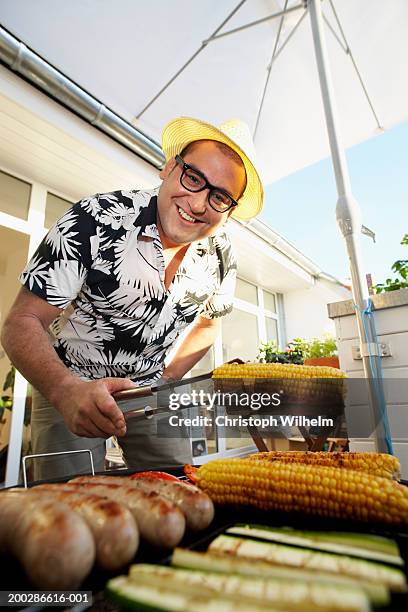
{"points": [[103, 263]]}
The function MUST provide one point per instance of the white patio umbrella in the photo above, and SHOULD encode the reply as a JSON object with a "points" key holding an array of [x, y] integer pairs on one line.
{"points": [[348, 212], [152, 61], [256, 60]]}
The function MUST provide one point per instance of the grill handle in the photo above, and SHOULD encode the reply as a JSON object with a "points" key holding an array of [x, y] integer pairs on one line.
{"points": [[25, 459]]}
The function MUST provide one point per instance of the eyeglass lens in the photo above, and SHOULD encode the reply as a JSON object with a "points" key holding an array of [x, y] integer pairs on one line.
{"points": [[193, 181]]}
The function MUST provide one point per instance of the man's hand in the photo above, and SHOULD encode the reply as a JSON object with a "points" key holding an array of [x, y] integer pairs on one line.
{"points": [[89, 409]]}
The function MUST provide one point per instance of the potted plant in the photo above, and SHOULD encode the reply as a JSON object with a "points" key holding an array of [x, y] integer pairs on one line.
{"points": [[269, 352], [316, 351], [322, 352]]}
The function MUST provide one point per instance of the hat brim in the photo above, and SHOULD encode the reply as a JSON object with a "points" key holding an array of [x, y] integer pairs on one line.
{"points": [[182, 131]]}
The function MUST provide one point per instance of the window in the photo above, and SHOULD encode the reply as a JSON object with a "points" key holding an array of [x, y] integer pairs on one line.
{"points": [[13, 257], [55, 207], [246, 291], [14, 196], [253, 320], [206, 364], [269, 301], [240, 335], [271, 329]]}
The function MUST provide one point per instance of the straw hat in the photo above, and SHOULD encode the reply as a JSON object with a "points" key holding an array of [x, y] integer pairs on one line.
{"points": [[235, 133]]}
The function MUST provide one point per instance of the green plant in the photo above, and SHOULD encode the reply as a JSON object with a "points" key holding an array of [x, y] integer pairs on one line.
{"points": [[325, 347], [6, 400], [400, 267], [269, 352], [300, 347], [298, 350]]}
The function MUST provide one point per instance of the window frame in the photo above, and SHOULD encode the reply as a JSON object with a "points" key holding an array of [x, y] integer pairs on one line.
{"points": [[261, 313]]}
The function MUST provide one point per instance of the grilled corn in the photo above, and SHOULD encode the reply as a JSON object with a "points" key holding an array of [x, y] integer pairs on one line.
{"points": [[309, 489], [275, 370], [296, 383], [376, 464]]}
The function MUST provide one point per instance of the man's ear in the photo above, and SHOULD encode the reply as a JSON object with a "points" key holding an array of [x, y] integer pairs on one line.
{"points": [[168, 168]]}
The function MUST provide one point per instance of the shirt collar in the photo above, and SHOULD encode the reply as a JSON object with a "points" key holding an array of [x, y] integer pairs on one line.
{"points": [[145, 205]]}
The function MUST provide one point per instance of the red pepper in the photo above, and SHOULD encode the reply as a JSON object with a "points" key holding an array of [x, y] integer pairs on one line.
{"points": [[158, 475], [191, 472]]}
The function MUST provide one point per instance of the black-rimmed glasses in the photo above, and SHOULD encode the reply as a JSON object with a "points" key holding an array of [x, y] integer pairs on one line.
{"points": [[194, 181]]}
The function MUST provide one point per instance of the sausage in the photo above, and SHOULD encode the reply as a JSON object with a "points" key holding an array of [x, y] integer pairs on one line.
{"points": [[160, 522], [53, 544], [112, 524], [196, 505]]}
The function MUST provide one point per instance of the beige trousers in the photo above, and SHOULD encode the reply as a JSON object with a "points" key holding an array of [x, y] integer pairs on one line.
{"points": [[147, 443]]}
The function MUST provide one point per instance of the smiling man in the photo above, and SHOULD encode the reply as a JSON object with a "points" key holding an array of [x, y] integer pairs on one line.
{"points": [[116, 281]]}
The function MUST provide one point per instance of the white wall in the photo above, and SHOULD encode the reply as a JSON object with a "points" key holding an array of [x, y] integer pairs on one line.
{"points": [[306, 309], [48, 144]]}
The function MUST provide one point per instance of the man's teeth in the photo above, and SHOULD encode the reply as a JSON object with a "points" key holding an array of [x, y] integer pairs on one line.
{"points": [[186, 216]]}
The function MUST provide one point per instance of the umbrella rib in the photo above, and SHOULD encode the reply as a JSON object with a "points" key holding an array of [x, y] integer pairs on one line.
{"points": [[350, 54], [203, 45], [281, 48], [274, 58], [257, 22], [269, 69], [342, 45]]}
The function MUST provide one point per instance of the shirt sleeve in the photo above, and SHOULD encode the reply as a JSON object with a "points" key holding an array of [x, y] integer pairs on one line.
{"points": [[222, 301], [59, 267]]}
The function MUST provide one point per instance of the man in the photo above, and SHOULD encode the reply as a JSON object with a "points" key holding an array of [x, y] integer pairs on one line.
{"points": [[116, 280]]}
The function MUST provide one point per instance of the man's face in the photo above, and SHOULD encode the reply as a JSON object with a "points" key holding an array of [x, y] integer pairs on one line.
{"points": [[174, 200]]}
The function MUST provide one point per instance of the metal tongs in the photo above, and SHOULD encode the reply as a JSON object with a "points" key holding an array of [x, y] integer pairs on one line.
{"points": [[150, 391]]}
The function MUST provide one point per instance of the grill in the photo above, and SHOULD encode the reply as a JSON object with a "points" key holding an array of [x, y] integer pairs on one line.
{"points": [[13, 579]]}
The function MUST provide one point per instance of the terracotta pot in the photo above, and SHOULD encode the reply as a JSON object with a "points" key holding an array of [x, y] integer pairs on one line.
{"points": [[332, 362]]}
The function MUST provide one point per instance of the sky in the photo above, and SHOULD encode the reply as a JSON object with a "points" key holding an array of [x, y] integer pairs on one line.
{"points": [[301, 207]]}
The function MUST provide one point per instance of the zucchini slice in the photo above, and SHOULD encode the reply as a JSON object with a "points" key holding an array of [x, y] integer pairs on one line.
{"points": [[286, 594], [281, 554], [378, 594], [366, 546], [131, 596], [135, 595]]}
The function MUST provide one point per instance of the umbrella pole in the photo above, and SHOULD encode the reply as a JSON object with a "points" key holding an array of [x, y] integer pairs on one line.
{"points": [[349, 219]]}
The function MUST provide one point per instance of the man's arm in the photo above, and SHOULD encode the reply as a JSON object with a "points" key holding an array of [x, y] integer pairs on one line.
{"points": [[88, 408], [194, 347]]}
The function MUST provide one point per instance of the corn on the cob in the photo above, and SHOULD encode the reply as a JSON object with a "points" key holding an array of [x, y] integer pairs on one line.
{"points": [[296, 383], [376, 464], [324, 491], [275, 370]]}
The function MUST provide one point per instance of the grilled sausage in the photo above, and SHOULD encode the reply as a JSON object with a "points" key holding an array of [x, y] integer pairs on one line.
{"points": [[112, 524], [53, 544], [160, 522], [196, 505]]}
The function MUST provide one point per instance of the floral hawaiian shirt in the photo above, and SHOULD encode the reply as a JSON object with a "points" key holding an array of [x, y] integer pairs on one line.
{"points": [[103, 263]]}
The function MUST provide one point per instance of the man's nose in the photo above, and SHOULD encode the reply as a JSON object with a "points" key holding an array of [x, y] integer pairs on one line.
{"points": [[198, 202]]}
